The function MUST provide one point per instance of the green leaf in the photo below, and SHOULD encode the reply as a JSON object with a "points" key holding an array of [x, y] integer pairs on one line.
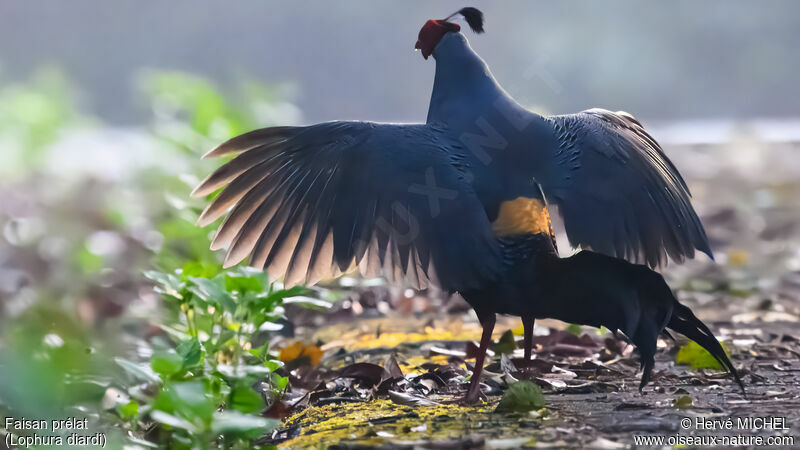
{"points": [[308, 302], [167, 283], [697, 357], [242, 371], [138, 371], [177, 335], [506, 344], [218, 387], [277, 296], [129, 410], [213, 291], [166, 362], [173, 421], [522, 396], [191, 351], [204, 321], [199, 270], [85, 387], [574, 328], [272, 364], [245, 399], [236, 422], [243, 284], [226, 336], [279, 383], [191, 400]]}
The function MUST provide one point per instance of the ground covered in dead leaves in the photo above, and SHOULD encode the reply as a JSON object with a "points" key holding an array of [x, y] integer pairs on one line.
{"points": [[371, 392]]}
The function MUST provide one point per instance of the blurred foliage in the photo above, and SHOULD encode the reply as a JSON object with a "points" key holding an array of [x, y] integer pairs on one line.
{"points": [[48, 360], [32, 115], [191, 115], [82, 333], [192, 112]]}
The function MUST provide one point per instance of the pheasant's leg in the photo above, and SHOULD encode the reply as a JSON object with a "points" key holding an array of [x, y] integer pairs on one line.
{"points": [[527, 325], [487, 320]]}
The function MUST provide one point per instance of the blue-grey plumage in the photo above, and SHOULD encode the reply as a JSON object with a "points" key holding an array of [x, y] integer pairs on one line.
{"points": [[462, 201]]}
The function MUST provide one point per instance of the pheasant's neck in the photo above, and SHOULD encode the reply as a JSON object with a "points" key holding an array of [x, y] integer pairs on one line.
{"points": [[463, 86], [491, 127]]}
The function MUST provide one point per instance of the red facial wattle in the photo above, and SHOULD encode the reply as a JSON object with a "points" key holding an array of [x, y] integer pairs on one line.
{"points": [[431, 33]]}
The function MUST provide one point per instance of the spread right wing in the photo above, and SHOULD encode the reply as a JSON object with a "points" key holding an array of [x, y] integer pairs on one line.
{"points": [[617, 191]]}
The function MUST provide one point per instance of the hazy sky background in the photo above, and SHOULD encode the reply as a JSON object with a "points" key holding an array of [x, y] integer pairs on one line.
{"points": [[354, 59]]}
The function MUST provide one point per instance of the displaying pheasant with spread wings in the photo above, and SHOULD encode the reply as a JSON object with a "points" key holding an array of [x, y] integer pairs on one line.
{"points": [[462, 201]]}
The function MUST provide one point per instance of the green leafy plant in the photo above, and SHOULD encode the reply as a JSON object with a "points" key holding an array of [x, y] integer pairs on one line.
{"points": [[193, 370], [213, 370]]}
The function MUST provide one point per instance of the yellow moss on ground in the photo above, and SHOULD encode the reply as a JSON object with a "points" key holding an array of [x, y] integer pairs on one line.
{"points": [[392, 331], [383, 421], [357, 339]]}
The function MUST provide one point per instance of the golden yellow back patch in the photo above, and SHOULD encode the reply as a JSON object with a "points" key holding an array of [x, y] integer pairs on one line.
{"points": [[522, 216]]}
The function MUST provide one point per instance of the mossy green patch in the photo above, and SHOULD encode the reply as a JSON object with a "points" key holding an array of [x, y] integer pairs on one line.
{"points": [[522, 396]]}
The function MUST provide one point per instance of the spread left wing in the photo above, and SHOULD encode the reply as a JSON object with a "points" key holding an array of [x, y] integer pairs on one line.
{"points": [[308, 203]]}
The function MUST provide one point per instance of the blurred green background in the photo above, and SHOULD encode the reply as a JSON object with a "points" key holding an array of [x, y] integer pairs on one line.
{"points": [[111, 305]]}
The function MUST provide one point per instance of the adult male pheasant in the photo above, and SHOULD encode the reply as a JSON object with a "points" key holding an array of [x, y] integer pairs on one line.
{"points": [[461, 201]]}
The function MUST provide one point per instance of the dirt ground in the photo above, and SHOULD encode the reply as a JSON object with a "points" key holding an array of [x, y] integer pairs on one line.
{"points": [[588, 401]]}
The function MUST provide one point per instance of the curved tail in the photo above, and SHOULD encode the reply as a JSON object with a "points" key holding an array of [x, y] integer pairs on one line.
{"points": [[684, 322]]}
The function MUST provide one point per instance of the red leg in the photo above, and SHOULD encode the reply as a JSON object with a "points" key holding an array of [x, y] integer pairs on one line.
{"points": [[487, 320], [527, 325]]}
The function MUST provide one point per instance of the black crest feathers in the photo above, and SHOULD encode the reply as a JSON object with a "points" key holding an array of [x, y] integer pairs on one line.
{"points": [[473, 16]]}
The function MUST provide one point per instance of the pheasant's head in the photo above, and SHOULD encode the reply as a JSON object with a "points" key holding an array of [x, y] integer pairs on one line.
{"points": [[434, 30]]}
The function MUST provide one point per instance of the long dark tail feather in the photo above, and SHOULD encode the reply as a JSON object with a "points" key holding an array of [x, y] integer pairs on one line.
{"points": [[684, 322], [679, 318]]}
